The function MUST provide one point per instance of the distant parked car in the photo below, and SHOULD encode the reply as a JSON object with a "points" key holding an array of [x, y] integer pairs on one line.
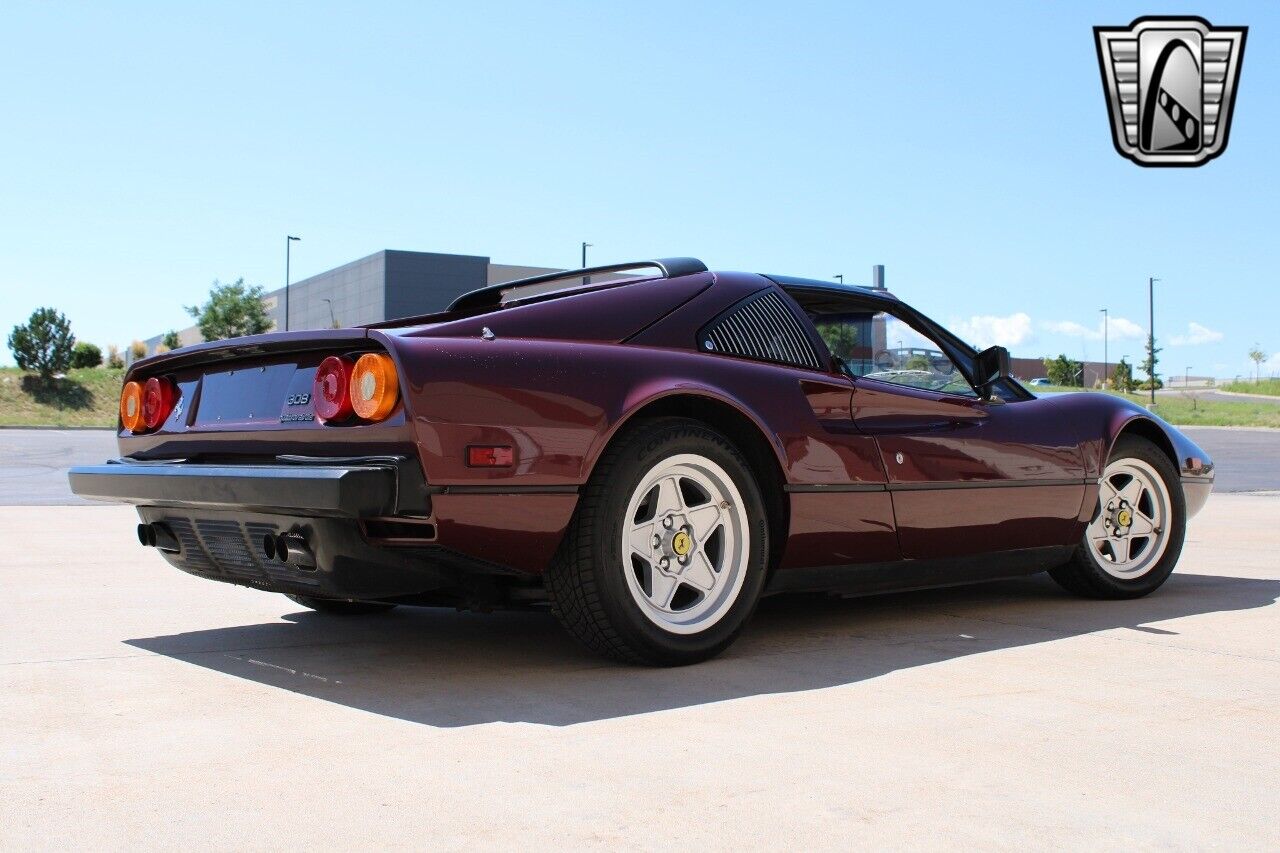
{"points": [[1042, 380], [647, 456]]}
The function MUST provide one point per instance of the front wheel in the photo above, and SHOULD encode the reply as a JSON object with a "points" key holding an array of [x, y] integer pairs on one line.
{"points": [[666, 556], [1135, 538]]}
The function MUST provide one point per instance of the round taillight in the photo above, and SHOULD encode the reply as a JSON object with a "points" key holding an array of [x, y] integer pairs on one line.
{"points": [[331, 389], [157, 401], [131, 406], [374, 386]]}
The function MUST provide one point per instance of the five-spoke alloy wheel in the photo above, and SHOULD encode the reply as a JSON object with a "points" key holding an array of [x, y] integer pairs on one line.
{"points": [[1129, 534], [666, 556], [1135, 537], [686, 549]]}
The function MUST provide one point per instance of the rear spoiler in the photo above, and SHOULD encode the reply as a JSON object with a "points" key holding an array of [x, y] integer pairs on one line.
{"points": [[491, 296], [254, 345]]}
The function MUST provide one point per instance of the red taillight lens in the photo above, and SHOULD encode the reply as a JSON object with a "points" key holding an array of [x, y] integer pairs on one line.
{"points": [[158, 396], [331, 389], [489, 456]]}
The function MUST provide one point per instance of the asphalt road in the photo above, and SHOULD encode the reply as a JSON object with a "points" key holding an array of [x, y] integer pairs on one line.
{"points": [[34, 463], [142, 708], [1212, 396]]}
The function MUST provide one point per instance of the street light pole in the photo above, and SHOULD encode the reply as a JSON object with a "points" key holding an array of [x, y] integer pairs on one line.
{"points": [[585, 246], [838, 277], [1151, 336], [333, 321], [288, 244], [1105, 372]]}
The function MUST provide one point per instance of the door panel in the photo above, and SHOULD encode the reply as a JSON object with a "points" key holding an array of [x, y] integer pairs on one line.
{"points": [[840, 511], [973, 477]]}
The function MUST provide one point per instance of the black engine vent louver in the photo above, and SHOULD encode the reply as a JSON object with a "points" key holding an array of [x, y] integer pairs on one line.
{"points": [[761, 327]]}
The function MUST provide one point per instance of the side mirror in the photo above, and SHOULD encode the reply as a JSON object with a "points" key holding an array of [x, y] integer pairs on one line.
{"points": [[990, 366]]}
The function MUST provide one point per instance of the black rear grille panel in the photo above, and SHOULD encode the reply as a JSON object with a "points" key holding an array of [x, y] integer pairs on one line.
{"points": [[763, 328], [229, 550]]}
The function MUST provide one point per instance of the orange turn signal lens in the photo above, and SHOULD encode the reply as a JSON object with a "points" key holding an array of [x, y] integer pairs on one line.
{"points": [[131, 406], [375, 388]]}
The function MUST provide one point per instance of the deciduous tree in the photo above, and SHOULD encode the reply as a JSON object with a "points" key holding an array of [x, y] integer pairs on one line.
{"points": [[232, 310], [1063, 370], [1257, 356]]}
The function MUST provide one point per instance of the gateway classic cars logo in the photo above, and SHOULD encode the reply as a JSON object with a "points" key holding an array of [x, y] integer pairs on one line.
{"points": [[1170, 86]]}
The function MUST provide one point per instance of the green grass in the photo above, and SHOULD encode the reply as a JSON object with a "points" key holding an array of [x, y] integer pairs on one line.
{"points": [[1270, 387], [86, 397], [1185, 409]]}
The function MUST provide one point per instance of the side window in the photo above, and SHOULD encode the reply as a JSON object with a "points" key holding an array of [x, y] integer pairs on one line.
{"points": [[877, 345], [761, 327]]}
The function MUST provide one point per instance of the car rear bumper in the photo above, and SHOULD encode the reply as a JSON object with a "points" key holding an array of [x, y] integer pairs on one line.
{"points": [[364, 489], [364, 527]]}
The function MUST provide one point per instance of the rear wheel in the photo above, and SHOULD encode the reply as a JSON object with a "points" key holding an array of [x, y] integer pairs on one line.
{"points": [[1135, 537], [337, 607], [665, 559]]}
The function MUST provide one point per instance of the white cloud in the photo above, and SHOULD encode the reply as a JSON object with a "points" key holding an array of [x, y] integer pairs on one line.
{"points": [[984, 330], [1196, 334], [1117, 328]]}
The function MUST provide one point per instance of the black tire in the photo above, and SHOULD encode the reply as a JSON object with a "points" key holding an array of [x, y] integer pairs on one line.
{"points": [[338, 607], [587, 583], [1084, 575]]}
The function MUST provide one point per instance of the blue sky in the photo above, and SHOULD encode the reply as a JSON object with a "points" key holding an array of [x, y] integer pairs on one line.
{"points": [[149, 149]]}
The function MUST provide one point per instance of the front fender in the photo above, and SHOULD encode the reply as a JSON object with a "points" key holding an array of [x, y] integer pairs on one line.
{"points": [[1103, 418]]}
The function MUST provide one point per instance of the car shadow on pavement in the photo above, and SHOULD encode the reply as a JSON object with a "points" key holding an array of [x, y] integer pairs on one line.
{"points": [[443, 668]]}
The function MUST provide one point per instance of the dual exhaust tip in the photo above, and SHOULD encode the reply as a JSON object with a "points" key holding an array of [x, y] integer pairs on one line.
{"points": [[289, 548], [158, 535]]}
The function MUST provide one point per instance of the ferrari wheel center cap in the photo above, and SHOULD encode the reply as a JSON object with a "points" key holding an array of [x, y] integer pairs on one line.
{"points": [[681, 544]]}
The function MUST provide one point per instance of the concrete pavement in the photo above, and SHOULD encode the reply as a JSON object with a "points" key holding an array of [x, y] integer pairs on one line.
{"points": [[142, 708]]}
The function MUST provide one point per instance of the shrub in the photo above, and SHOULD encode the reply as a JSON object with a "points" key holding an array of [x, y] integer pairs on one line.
{"points": [[171, 340], [138, 350], [114, 360], [85, 354]]}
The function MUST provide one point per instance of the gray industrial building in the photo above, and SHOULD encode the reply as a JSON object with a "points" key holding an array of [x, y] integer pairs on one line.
{"points": [[382, 286]]}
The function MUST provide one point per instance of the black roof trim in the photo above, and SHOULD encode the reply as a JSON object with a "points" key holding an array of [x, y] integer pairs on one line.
{"points": [[833, 286], [491, 296]]}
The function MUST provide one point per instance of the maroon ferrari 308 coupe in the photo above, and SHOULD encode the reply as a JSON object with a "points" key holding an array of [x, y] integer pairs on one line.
{"points": [[646, 448]]}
